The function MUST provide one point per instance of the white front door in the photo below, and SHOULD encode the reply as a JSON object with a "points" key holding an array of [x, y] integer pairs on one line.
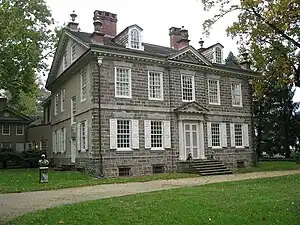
{"points": [[191, 140], [73, 150]]}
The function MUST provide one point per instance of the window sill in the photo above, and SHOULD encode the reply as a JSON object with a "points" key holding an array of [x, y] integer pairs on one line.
{"points": [[19, 134], [217, 104], [5, 134], [240, 147], [155, 99], [217, 147], [120, 96], [120, 151], [157, 149], [188, 100], [238, 106]]}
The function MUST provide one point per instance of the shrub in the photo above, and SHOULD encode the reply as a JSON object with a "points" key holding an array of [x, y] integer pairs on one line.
{"points": [[7, 155]]}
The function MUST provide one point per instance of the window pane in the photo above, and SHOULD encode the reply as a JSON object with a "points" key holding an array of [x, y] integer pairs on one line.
{"points": [[213, 91], [122, 82], [238, 134], [236, 94], [155, 86], [156, 134], [218, 55], [135, 39], [123, 134], [215, 134], [187, 88]]}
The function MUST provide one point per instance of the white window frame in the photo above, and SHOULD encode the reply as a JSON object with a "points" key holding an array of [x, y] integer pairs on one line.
{"points": [[218, 55], [129, 45], [73, 52], [56, 103], [193, 87], [83, 85], [63, 139], [161, 85], [162, 135], [130, 136], [242, 135], [65, 60], [22, 129], [220, 138], [3, 133], [62, 99], [6, 143], [73, 111], [218, 91], [129, 78], [233, 94]]}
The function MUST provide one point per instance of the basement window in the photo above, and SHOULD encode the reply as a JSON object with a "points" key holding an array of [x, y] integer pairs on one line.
{"points": [[125, 172], [158, 169]]}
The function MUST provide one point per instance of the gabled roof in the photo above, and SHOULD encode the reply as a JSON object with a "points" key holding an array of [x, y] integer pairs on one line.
{"points": [[191, 107], [17, 114], [204, 49], [193, 54]]}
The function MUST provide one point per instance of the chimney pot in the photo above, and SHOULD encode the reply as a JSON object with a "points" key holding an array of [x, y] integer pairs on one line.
{"points": [[72, 25], [201, 42]]}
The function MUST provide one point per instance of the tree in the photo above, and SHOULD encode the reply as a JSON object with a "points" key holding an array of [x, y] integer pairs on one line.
{"points": [[231, 59], [266, 29], [26, 42]]}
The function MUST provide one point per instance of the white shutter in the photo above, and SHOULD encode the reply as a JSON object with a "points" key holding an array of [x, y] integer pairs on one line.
{"points": [[53, 142], [209, 141], [223, 135], [58, 141], [135, 134], [167, 134], [86, 132], [78, 136], [113, 133], [232, 135], [65, 140], [147, 124], [245, 135]]}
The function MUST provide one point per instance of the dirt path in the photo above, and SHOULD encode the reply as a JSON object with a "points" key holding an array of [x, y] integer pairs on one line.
{"points": [[17, 204]]}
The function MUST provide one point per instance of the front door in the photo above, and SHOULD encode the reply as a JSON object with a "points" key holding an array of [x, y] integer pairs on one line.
{"points": [[191, 140], [73, 150]]}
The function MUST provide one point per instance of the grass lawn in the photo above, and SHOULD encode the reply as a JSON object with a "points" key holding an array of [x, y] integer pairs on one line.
{"points": [[21, 180], [269, 201], [270, 166]]}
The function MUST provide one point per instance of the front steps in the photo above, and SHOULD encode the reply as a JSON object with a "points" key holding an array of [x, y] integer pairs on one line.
{"points": [[207, 167]]}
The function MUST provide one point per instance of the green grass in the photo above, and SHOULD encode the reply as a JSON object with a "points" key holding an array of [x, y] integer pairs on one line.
{"points": [[21, 180], [269, 201], [270, 166]]}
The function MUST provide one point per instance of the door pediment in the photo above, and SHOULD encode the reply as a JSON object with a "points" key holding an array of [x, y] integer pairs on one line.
{"points": [[191, 107]]}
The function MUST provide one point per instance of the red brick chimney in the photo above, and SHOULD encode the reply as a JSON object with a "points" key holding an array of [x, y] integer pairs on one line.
{"points": [[109, 22], [72, 25], [179, 38], [97, 35]]}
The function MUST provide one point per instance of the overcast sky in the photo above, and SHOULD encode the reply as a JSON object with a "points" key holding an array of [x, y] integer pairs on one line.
{"points": [[154, 16]]}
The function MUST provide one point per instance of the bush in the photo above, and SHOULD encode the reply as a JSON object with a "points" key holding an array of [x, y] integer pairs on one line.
{"points": [[9, 155], [31, 157]]}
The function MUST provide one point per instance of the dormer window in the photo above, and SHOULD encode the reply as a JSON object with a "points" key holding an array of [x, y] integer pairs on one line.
{"points": [[135, 39], [218, 55]]}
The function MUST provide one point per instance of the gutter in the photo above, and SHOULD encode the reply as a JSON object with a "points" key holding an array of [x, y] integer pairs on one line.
{"points": [[99, 64]]}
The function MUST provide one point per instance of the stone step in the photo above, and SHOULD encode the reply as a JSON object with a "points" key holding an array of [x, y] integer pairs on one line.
{"points": [[210, 168], [214, 170], [215, 173]]}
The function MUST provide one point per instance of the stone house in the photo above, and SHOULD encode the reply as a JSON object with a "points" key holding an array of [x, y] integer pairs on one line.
{"points": [[123, 107]]}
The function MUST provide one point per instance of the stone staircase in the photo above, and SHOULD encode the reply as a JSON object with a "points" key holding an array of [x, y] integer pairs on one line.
{"points": [[207, 167]]}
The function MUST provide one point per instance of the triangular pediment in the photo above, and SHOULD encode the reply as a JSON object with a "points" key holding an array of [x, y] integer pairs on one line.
{"points": [[191, 107], [190, 55], [9, 115]]}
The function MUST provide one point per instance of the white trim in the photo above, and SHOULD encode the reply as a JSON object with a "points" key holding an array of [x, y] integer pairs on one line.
{"points": [[130, 87], [9, 128], [161, 86], [56, 101], [22, 126], [218, 90], [193, 87], [62, 99], [71, 51], [128, 45], [83, 71]]}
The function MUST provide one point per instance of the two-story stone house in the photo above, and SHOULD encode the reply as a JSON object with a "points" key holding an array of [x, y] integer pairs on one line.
{"points": [[120, 106]]}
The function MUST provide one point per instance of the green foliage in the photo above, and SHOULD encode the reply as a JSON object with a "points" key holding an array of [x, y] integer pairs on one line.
{"points": [[7, 155], [268, 201], [231, 59], [27, 41]]}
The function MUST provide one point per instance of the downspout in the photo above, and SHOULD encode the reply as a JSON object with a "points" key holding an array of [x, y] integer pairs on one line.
{"points": [[99, 64], [170, 109], [252, 119]]}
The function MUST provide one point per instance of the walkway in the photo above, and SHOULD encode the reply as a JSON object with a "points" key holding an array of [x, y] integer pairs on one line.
{"points": [[17, 204]]}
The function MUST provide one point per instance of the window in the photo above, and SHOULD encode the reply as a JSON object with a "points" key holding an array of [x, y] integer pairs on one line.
{"points": [[124, 172], [73, 52], [218, 53], [238, 135], [43, 145], [62, 100], [83, 135], [123, 82], [158, 169], [63, 139], [155, 80], [19, 129], [6, 145], [188, 88], [56, 134], [213, 92], [135, 39], [5, 129], [236, 91], [156, 134], [56, 104], [29, 145], [123, 134], [20, 147], [83, 85], [65, 63], [215, 135], [73, 110]]}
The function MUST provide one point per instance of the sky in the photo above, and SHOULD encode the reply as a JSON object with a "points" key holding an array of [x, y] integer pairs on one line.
{"points": [[154, 16]]}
